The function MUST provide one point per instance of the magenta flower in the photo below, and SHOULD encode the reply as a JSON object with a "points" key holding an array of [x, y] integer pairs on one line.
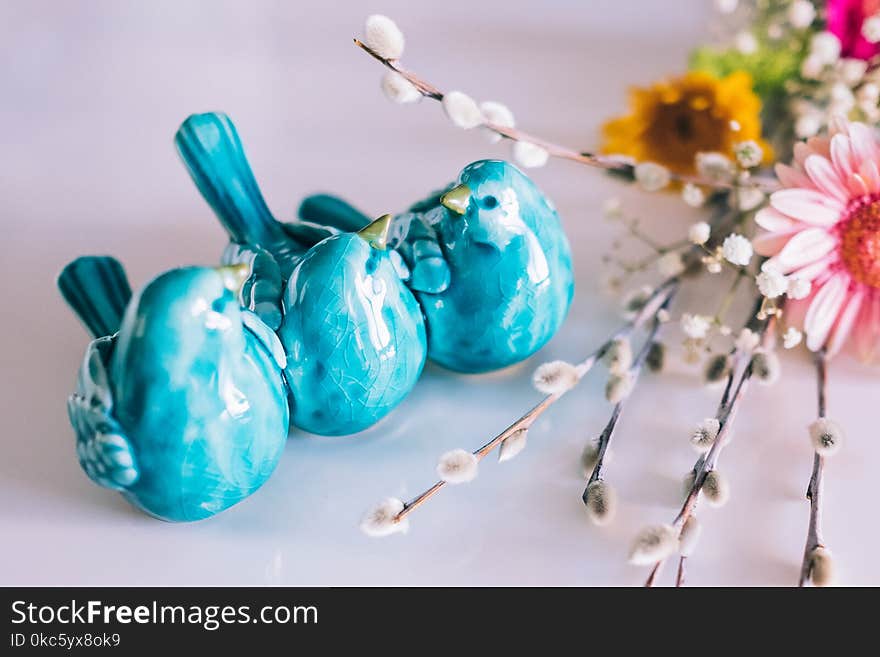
{"points": [[845, 19]]}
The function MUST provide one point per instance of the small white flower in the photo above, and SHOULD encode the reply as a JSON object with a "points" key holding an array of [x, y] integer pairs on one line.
{"points": [[747, 340], [726, 6], [852, 70], [601, 501], [670, 264], [801, 13], [705, 434], [826, 436], [842, 99], [771, 282], [383, 36], [775, 31], [825, 46], [713, 267], [748, 153], [792, 338], [798, 288], [693, 195], [619, 356], [808, 125], [652, 176], [868, 95], [555, 378], [513, 445], [737, 250], [382, 520], [619, 387], [812, 67], [821, 567], [653, 544], [458, 467], [690, 535], [715, 167], [612, 208], [530, 156], [716, 489], [749, 197], [699, 232], [695, 326], [746, 43], [462, 110], [499, 114], [871, 29], [399, 89]]}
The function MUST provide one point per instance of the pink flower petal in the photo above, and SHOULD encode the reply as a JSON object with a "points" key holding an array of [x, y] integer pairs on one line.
{"points": [[815, 270], [768, 244], [791, 177], [871, 175], [858, 186], [841, 156], [863, 143], [805, 248], [867, 332], [845, 321], [823, 174], [824, 309], [775, 221], [807, 205], [820, 146]]}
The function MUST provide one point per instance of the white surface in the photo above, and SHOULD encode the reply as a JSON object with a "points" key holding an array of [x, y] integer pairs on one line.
{"points": [[92, 94]]}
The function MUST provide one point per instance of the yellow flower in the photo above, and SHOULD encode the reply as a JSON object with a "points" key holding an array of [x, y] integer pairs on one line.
{"points": [[673, 120]]}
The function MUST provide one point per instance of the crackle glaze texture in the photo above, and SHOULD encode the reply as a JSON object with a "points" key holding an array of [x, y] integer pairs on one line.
{"points": [[183, 410], [353, 334]]}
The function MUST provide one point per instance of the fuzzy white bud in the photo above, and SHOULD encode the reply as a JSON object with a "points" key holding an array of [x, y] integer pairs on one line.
{"points": [[530, 156], [737, 250], [716, 489], [656, 357], [693, 195], [792, 338], [690, 536], [398, 89], [601, 501], [555, 378], [513, 445], [826, 436], [383, 521], [462, 110], [670, 264], [715, 167], [458, 467], [653, 544], [619, 356], [590, 457], [771, 282], [749, 198], [382, 35], [748, 153], [747, 341], [821, 567], [703, 437], [699, 232], [717, 370], [687, 482], [619, 387], [499, 114], [652, 176], [801, 13], [798, 288], [766, 367]]}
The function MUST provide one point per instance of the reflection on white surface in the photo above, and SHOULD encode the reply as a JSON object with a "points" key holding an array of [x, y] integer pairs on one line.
{"points": [[98, 90]]}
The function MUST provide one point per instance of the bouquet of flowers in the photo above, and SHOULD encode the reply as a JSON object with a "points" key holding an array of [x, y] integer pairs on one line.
{"points": [[772, 130]]}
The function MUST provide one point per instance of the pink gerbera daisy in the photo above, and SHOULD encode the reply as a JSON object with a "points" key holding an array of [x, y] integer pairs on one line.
{"points": [[824, 227]]}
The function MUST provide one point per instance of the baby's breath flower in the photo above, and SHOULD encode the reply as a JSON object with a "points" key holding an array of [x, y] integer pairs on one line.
{"points": [[695, 326], [801, 13], [737, 250], [699, 232], [821, 567], [670, 264], [612, 208], [530, 155], [798, 288], [382, 35], [826, 436], [747, 340], [716, 489], [812, 67], [792, 338], [717, 370], [726, 6], [749, 197], [713, 267], [868, 95], [705, 434], [693, 196], [619, 356], [462, 110], [458, 467], [808, 125], [601, 501], [771, 282], [382, 520], [746, 43], [826, 46], [653, 544], [690, 535], [619, 386], [842, 98], [652, 176], [513, 445], [656, 357], [399, 89], [766, 366], [715, 167], [871, 29], [852, 70], [555, 378], [748, 153]]}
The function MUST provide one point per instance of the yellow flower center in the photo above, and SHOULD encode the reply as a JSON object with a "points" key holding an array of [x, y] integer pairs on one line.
{"points": [[860, 242]]}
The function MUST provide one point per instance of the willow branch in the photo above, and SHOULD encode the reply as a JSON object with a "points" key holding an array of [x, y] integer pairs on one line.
{"points": [[814, 489]]}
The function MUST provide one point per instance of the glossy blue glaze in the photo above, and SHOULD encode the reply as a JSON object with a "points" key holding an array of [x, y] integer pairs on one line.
{"points": [[184, 409], [354, 336]]}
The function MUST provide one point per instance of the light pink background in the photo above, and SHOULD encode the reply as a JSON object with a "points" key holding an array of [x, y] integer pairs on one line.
{"points": [[92, 94]]}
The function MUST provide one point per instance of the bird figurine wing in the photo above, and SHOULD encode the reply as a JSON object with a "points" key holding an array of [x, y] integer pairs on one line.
{"points": [[261, 291]]}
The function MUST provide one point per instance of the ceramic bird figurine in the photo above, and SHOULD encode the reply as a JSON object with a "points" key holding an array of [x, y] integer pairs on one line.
{"points": [[180, 404]]}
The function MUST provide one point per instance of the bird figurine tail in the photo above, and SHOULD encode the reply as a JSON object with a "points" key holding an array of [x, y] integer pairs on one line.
{"points": [[328, 210], [97, 290], [213, 154]]}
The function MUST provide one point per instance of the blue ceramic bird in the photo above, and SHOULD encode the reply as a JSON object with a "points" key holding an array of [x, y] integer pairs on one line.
{"points": [[180, 402]]}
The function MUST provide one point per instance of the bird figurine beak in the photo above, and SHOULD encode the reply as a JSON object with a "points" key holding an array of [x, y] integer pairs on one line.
{"points": [[376, 233], [234, 276], [457, 199]]}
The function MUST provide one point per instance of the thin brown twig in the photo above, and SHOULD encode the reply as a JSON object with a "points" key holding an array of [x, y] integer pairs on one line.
{"points": [[609, 163], [814, 489]]}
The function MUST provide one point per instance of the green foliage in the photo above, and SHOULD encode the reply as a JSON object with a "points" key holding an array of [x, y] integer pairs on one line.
{"points": [[769, 67]]}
